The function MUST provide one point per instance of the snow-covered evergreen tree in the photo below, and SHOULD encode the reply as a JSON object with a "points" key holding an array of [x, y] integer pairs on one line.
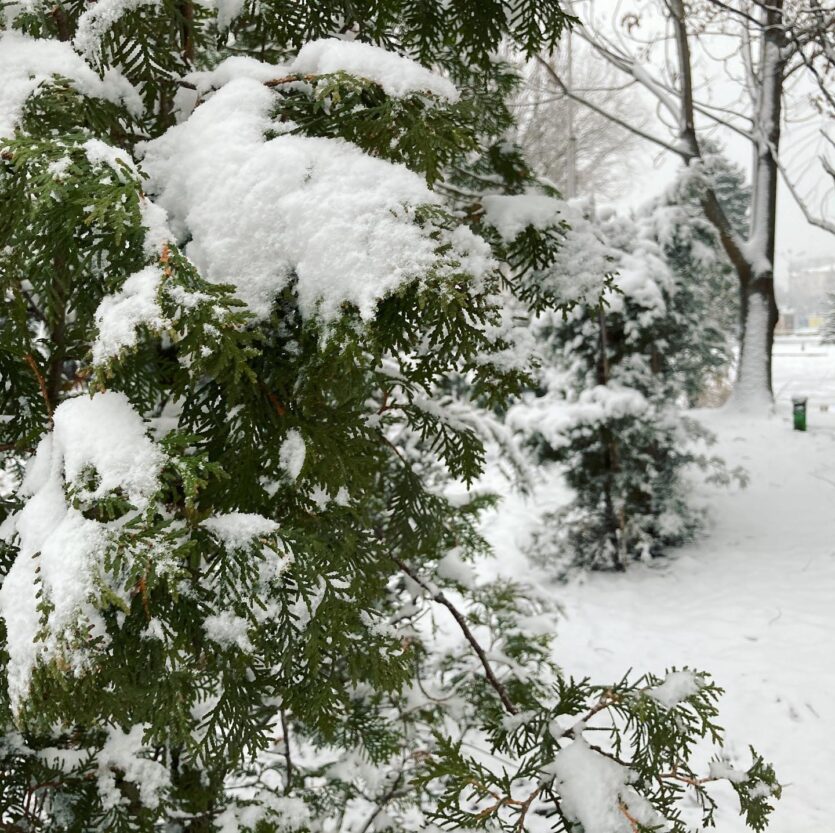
{"points": [[248, 337], [704, 311], [615, 371]]}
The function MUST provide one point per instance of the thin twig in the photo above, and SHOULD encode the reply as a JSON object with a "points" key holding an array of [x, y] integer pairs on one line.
{"points": [[287, 758], [41, 382], [440, 598], [382, 802]]}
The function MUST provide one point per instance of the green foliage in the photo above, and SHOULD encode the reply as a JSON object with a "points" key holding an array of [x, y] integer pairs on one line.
{"points": [[256, 636], [616, 373]]}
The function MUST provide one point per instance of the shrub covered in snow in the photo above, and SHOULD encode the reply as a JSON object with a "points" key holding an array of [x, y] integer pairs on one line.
{"points": [[701, 342], [616, 370], [262, 289]]}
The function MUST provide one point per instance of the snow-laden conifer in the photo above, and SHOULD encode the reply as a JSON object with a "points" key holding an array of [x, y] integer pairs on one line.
{"points": [[257, 319], [616, 371]]}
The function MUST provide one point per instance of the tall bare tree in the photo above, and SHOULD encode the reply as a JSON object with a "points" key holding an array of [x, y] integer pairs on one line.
{"points": [[764, 47]]}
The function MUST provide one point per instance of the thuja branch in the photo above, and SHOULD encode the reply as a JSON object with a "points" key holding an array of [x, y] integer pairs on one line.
{"points": [[33, 366], [439, 597]]}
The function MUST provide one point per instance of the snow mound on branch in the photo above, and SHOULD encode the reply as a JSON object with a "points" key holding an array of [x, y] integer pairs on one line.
{"points": [[100, 153], [235, 67], [228, 630], [640, 276], [105, 433], [123, 758], [510, 215], [583, 260], [97, 21], [397, 75], [677, 686], [237, 530], [227, 11], [553, 418], [59, 550], [292, 453], [290, 812], [594, 791], [603, 403], [26, 63], [119, 316], [259, 213]]}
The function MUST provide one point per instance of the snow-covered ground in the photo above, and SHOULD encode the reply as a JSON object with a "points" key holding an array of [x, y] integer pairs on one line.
{"points": [[752, 602]]}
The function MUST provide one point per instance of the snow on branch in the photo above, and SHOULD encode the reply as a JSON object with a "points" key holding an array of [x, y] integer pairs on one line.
{"points": [[397, 75], [97, 20], [27, 63], [342, 224], [98, 449]]}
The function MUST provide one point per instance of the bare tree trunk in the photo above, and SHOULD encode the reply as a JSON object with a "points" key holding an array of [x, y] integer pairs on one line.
{"points": [[752, 258], [614, 528], [759, 310]]}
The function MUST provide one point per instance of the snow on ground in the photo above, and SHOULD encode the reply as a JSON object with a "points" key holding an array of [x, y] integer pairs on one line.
{"points": [[752, 602]]}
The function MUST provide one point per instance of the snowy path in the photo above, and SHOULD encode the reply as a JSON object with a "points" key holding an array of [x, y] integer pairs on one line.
{"points": [[753, 602]]}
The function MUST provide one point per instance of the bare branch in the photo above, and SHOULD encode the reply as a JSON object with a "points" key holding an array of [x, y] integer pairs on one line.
{"points": [[810, 218], [610, 116], [382, 802], [287, 758], [739, 12], [438, 596]]}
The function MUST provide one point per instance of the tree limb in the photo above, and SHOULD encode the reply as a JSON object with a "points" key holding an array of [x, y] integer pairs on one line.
{"points": [[440, 598], [810, 218], [606, 115]]}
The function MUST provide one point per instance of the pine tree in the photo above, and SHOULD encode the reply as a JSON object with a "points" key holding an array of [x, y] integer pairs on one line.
{"points": [[249, 335], [616, 371], [706, 303]]}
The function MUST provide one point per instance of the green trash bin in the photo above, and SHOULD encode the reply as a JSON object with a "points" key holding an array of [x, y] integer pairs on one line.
{"points": [[799, 412]]}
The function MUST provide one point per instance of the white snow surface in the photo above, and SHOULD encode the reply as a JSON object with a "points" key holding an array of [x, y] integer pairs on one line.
{"points": [[237, 530], [26, 63], [397, 75], [317, 209], [59, 550], [511, 214], [751, 602], [119, 316]]}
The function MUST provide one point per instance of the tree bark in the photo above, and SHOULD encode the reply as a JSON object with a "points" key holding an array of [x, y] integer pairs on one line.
{"points": [[758, 305], [754, 260]]}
